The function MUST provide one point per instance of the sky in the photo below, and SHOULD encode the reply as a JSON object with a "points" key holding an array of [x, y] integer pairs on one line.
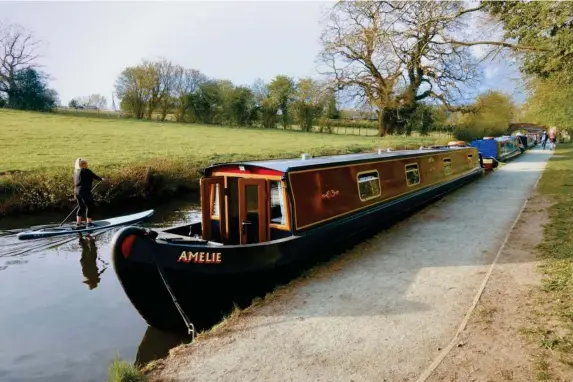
{"points": [[86, 45]]}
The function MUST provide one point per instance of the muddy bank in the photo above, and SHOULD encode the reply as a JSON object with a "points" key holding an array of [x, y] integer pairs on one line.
{"points": [[384, 310]]}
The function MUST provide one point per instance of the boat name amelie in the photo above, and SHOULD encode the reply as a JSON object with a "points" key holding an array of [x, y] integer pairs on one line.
{"points": [[200, 257], [330, 194]]}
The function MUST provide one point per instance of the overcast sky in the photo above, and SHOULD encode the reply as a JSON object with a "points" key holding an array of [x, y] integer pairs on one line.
{"points": [[86, 45]]}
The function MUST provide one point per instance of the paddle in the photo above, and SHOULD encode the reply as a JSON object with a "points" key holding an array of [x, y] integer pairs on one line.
{"points": [[36, 227]]}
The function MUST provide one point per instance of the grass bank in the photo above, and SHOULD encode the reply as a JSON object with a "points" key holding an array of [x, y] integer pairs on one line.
{"points": [[142, 159], [553, 313], [122, 371]]}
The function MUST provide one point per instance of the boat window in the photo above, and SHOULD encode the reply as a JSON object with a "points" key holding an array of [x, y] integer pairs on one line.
{"points": [[277, 203], [412, 174], [252, 199], [215, 198], [447, 166], [368, 185]]}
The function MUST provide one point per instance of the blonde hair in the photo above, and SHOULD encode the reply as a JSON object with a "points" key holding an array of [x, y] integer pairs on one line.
{"points": [[80, 163]]}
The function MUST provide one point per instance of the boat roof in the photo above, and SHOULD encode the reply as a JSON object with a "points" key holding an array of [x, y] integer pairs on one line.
{"points": [[286, 165]]}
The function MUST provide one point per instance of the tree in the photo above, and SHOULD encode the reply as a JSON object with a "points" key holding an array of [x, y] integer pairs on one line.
{"points": [[241, 106], [73, 104], [494, 111], [29, 91], [309, 102], [152, 82], [98, 101], [332, 111], [134, 88], [282, 89], [549, 103], [546, 28], [396, 54], [186, 82], [266, 107], [167, 83], [205, 103], [425, 118], [17, 52]]}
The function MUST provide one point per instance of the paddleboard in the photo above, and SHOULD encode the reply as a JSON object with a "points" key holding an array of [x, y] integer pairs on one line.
{"points": [[68, 229]]}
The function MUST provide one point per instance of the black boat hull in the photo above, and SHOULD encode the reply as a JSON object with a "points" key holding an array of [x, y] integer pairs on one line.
{"points": [[208, 280]]}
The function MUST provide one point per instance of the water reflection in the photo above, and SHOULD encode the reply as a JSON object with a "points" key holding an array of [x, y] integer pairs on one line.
{"points": [[89, 259], [156, 344]]}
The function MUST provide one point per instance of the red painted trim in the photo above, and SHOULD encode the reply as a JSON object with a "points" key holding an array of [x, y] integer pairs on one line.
{"points": [[248, 170], [127, 245]]}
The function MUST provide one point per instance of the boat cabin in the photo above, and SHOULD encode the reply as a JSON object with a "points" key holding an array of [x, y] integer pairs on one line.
{"points": [[255, 202]]}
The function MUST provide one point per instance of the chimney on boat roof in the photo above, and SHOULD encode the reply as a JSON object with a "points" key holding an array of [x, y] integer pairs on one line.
{"points": [[305, 156]]}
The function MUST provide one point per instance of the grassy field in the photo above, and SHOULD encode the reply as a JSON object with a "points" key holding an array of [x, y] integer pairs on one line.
{"points": [[554, 302], [32, 140]]}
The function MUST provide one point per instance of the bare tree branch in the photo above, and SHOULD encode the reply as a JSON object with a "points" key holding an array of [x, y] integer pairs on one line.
{"points": [[497, 43], [18, 50]]}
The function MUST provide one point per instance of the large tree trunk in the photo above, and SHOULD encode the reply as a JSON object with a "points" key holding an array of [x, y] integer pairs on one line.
{"points": [[389, 120], [381, 130]]}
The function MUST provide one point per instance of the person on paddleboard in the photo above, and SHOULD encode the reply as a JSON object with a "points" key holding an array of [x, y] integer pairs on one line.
{"points": [[83, 179]]}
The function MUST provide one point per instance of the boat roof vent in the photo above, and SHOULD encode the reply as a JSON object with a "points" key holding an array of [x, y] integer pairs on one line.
{"points": [[305, 156]]}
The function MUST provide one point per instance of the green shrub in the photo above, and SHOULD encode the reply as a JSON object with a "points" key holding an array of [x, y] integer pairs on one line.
{"points": [[122, 371]]}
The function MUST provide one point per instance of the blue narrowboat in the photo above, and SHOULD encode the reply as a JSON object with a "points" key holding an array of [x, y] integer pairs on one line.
{"points": [[499, 149]]}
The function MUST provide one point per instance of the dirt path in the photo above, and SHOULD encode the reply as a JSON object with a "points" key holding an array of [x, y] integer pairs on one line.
{"points": [[383, 311], [492, 347]]}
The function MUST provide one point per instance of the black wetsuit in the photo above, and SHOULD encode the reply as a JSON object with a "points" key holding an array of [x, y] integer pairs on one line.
{"points": [[83, 180]]}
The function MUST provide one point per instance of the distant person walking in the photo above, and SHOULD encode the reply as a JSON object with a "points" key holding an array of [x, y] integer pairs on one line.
{"points": [[544, 139], [83, 179], [552, 139]]}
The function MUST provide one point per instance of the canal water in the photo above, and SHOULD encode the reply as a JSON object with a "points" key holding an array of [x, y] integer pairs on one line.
{"points": [[63, 313]]}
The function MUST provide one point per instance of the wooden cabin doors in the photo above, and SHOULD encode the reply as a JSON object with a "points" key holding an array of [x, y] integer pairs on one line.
{"points": [[253, 220], [214, 224]]}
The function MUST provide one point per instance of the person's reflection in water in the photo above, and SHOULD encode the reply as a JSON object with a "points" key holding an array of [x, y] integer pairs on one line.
{"points": [[88, 261]]}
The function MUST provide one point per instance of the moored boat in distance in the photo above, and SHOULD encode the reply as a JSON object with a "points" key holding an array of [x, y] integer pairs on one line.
{"points": [[498, 149], [261, 217]]}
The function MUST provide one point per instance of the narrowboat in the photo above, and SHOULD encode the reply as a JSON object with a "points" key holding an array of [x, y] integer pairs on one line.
{"points": [[261, 217], [495, 150]]}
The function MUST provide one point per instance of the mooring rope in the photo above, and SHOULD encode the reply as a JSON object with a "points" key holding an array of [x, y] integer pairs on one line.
{"points": [[188, 323]]}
